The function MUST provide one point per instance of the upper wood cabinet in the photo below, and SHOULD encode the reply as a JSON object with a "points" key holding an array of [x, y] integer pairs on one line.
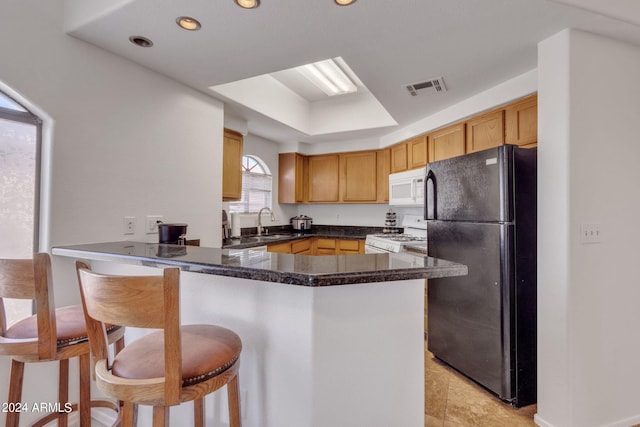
{"points": [[446, 142], [358, 177], [291, 178], [417, 152], [231, 166], [384, 168], [485, 131], [407, 155], [324, 178], [399, 157], [522, 122]]}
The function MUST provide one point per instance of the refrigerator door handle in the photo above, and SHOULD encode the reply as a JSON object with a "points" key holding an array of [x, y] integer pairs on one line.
{"points": [[430, 177]]}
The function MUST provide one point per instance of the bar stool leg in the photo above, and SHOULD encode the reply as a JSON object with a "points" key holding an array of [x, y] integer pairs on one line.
{"points": [[234, 403], [198, 412], [160, 416], [15, 392], [63, 390], [85, 390]]}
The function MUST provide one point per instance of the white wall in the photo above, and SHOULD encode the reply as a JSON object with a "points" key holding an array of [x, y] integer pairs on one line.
{"points": [[588, 372], [119, 140]]}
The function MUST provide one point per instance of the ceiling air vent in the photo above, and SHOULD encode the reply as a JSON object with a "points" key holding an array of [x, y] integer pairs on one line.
{"points": [[429, 86]]}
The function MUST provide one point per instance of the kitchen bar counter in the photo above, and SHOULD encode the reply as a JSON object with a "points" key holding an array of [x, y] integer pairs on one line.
{"points": [[301, 270], [344, 349]]}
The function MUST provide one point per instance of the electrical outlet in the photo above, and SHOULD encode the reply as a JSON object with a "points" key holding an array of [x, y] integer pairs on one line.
{"points": [[129, 225], [589, 233], [152, 223]]}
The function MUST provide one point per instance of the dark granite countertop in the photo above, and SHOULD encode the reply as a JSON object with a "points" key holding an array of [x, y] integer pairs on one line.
{"points": [[304, 270]]}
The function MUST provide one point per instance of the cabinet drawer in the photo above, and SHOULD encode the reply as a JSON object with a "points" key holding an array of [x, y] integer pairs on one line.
{"points": [[283, 248], [300, 246]]}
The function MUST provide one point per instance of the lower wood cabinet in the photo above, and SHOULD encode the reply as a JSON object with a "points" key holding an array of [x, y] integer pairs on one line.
{"points": [[319, 246]]}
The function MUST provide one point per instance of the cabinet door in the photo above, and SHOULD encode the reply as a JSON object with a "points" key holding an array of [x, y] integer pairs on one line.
{"points": [[485, 131], [301, 247], [399, 161], [282, 248], [446, 142], [231, 166], [324, 246], [290, 178], [417, 152], [522, 122], [358, 177], [384, 168], [348, 247], [324, 178]]}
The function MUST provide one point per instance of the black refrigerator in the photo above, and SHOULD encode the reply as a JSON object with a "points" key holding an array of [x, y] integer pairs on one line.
{"points": [[481, 211]]}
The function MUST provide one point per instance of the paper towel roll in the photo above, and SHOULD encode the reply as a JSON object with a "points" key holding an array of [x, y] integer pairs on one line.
{"points": [[235, 224]]}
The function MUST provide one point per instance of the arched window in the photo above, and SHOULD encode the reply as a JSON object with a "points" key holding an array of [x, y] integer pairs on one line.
{"points": [[256, 186], [19, 178]]}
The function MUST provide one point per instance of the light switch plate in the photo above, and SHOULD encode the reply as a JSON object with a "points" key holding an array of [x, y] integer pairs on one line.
{"points": [[589, 233]]}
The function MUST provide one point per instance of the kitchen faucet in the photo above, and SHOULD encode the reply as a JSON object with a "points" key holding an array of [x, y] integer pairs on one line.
{"points": [[260, 227]]}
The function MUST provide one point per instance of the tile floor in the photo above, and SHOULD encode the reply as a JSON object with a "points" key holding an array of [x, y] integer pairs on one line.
{"points": [[452, 400]]}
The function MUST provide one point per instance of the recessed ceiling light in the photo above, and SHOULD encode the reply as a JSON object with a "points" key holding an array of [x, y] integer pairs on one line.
{"points": [[141, 41], [248, 4], [188, 23], [344, 2]]}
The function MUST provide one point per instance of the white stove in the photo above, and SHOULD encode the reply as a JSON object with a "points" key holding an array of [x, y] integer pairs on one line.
{"points": [[415, 232]]}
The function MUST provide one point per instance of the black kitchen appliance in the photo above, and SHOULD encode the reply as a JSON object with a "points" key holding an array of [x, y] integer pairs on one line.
{"points": [[172, 233], [481, 211]]}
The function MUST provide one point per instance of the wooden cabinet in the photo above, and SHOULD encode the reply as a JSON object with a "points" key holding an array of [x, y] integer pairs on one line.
{"points": [[485, 131], [446, 142], [399, 157], [521, 119], [324, 178], [417, 152], [290, 178], [383, 168], [319, 246], [358, 177], [301, 247], [350, 247], [282, 248], [231, 166], [325, 246]]}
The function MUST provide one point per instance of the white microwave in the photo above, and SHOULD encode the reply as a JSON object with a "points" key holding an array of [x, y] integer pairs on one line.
{"points": [[407, 188]]}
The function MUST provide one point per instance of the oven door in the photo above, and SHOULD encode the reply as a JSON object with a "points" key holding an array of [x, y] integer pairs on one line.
{"points": [[368, 249]]}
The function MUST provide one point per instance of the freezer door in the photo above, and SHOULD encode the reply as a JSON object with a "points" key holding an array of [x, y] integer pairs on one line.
{"points": [[473, 187], [470, 317]]}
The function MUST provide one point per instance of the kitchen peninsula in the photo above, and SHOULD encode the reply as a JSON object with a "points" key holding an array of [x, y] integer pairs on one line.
{"points": [[327, 341]]}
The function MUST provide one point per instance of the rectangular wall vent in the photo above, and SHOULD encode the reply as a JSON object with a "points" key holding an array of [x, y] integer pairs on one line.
{"points": [[430, 86]]}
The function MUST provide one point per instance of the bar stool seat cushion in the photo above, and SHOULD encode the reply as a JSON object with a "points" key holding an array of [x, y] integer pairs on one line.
{"points": [[207, 351], [70, 326]]}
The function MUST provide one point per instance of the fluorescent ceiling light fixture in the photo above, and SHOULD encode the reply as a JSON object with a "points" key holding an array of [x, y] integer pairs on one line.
{"points": [[328, 77]]}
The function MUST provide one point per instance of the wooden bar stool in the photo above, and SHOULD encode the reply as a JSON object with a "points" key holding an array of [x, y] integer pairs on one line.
{"points": [[49, 335], [176, 364]]}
